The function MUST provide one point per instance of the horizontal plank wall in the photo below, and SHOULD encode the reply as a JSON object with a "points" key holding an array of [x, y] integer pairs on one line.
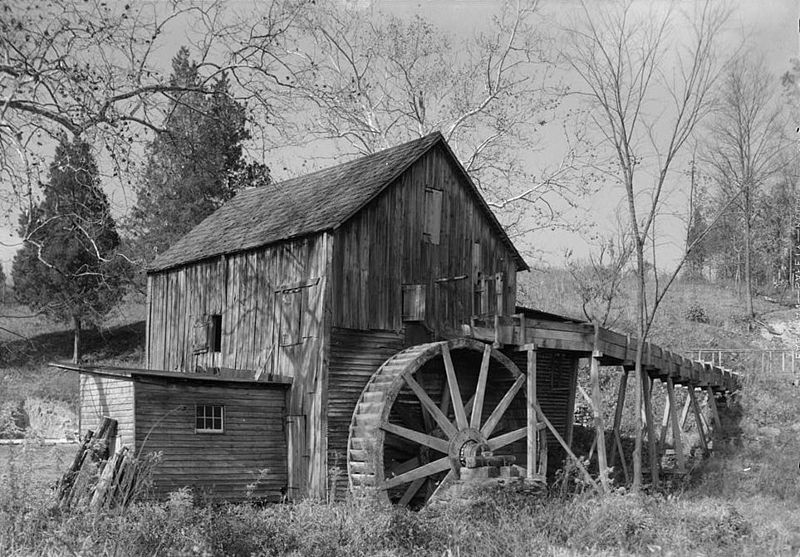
{"points": [[384, 246], [252, 450], [107, 397], [354, 357]]}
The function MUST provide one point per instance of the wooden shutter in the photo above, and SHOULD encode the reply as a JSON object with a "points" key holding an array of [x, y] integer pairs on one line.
{"points": [[433, 215], [414, 302], [200, 335]]}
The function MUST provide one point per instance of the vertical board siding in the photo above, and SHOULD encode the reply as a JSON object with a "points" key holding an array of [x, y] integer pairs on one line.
{"points": [[247, 460], [248, 289], [556, 372], [354, 357], [241, 287], [384, 246], [107, 397]]}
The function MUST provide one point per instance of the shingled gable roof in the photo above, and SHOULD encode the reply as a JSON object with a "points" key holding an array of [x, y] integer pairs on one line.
{"points": [[319, 201]]}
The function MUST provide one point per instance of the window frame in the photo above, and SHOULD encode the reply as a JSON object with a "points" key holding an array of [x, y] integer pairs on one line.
{"points": [[214, 339], [205, 417]]}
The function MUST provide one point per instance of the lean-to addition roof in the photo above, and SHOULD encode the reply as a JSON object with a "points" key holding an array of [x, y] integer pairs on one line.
{"points": [[319, 201]]}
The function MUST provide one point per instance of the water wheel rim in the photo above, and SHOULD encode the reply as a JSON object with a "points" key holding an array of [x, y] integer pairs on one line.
{"points": [[371, 417]]}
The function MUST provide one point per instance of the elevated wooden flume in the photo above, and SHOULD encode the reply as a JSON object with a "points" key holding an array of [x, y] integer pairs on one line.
{"points": [[610, 347]]}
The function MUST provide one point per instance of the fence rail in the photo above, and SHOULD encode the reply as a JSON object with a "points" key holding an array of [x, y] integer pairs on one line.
{"points": [[751, 361]]}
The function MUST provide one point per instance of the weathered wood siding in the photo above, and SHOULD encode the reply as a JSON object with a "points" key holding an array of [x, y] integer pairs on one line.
{"points": [[556, 376], [252, 449], [384, 247], [250, 291], [354, 357], [107, 397], [272, 307]]}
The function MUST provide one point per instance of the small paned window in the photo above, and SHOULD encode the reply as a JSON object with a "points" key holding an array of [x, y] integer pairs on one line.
{"points": [[209, 418], [215, 333]]}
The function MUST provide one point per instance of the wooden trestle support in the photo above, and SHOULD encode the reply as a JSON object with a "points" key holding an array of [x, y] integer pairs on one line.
{"points": [[433, 408], [608, 348]]}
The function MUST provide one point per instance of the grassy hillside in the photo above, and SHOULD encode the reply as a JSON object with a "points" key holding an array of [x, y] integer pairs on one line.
{"points": [[744, 500]]}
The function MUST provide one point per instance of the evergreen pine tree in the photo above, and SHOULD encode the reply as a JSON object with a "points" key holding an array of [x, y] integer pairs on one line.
{"points": [[194, 165], [66, 268]]}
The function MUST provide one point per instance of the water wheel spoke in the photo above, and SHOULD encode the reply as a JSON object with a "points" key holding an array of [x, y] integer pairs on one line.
{"points": [[505, 402], [480, 390], [403, 467], [417, 437], [423, 471], [411, 491], [507, 438], [455, 393], [448, 428]]}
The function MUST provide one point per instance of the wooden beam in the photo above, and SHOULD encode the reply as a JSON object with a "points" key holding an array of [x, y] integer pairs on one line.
{"points": [[623, 385], [600, 435], [651, 438], [698, 420], [712, 404], [685, 411], [531, 410], [566, 448], [664, 423], [677, 433]]}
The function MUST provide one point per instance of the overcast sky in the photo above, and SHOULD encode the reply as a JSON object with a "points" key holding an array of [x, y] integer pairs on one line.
{"points": [[768, 26]]}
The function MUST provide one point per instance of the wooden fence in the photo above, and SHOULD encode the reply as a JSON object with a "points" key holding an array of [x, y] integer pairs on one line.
{"points": [[752, 362]]}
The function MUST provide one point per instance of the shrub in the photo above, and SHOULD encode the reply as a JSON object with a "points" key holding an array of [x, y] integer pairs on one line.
{"points": [[696, 313]]}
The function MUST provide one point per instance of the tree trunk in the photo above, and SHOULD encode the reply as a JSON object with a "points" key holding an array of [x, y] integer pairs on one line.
{"points": [[637, 374], [748, 270], [76, 346]]}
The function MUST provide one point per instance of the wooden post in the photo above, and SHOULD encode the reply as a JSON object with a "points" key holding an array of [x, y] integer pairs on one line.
{"points": [[617, 445], [651, 439], [698, 420], [597, 402], [665, 423], [533, 431], [543, 453], [685, 412], [712, 405], [677, 433]]}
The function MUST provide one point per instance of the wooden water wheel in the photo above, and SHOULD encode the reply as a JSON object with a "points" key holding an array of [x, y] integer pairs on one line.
{"points": [[422, 409]]}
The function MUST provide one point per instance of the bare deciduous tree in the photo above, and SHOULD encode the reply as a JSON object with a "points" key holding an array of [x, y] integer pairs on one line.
{"points": [[649, 87], [600, 278], [745, 146], [367, 81]]}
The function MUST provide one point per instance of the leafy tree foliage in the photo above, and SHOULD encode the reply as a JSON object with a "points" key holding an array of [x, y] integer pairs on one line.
{"points": [[67, 267], [195, 164]]}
